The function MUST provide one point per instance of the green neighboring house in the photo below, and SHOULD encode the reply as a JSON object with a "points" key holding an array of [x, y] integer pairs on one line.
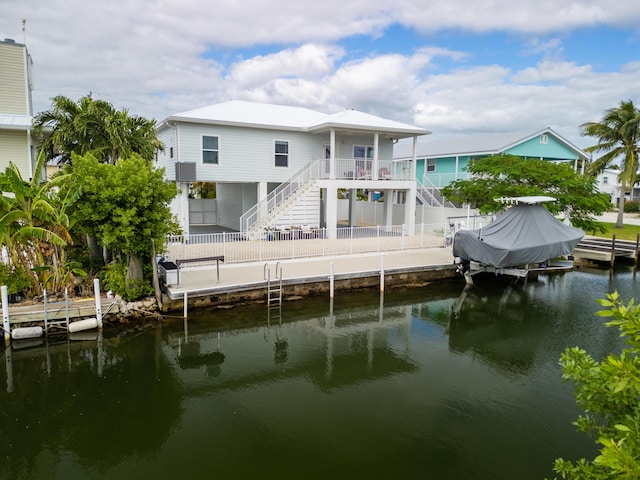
{"points": [[439, 161]]}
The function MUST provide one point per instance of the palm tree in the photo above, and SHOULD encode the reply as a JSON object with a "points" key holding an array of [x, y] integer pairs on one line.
{"points": [[94, 126], [618, 137]]}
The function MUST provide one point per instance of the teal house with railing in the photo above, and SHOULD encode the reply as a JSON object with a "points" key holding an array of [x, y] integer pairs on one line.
{"points": [[439, 161]]}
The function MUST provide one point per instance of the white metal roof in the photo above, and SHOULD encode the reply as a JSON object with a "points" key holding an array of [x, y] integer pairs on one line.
{"points": [[264, 115], [17, 122]]}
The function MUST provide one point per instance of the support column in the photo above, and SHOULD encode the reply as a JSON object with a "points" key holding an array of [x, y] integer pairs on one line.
{"points": [[332, 211], [413, 164], [184, 207], [410, 211], [388, 208], [332, 155], [353, 198], [262, 191]]}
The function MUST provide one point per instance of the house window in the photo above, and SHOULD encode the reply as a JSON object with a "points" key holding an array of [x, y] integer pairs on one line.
{"points": [[170, 152], [362, 153], [544, 139], [431, 165], [210, 150], [605, 180], [282, 153]]}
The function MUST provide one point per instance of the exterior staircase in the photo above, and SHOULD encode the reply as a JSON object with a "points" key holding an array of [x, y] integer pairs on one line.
{"points": [[428, 194], [290, 203]]}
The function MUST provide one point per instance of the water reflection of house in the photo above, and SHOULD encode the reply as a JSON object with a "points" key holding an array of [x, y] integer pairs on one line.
{"points": [[332, 351]]}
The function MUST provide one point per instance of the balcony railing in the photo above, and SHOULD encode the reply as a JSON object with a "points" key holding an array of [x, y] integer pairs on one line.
{"points": [[363, 169]]}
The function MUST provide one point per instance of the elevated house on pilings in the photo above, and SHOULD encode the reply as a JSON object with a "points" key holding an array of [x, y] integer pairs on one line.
{"points": [[279, 166]]}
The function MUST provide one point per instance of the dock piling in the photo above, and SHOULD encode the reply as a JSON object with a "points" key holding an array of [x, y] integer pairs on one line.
{"points": [[382, 273], [5, 314], [331, 280], [185, 305], [96, 290]]}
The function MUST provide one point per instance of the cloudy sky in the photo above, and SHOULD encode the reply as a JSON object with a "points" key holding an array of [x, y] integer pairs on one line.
{"points": [[451, 66]]}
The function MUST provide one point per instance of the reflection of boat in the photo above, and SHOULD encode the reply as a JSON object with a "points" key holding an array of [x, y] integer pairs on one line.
{"points": [[527, 237], [498, 325]]}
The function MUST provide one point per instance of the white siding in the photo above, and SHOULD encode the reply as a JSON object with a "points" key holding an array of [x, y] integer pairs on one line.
{"points": [[168, 138], [247, 155], [14, 147], [13, 85]]}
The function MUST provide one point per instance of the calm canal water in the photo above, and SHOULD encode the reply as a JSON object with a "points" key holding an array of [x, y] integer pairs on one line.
{"points": [[362, 388]]}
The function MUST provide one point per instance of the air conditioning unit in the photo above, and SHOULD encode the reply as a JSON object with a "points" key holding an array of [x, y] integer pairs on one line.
{"points": [[185, 172]]}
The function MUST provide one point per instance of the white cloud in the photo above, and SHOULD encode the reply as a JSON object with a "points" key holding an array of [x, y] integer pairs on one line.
{"points": [[159, 57], [524, 16], [306, 62]]}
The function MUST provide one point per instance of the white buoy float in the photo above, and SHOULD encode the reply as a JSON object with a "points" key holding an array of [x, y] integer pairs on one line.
{"points": [[82, 325], [26, 332]]}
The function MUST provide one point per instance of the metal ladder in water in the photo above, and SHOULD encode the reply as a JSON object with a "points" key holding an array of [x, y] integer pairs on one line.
{"points": [[274, 286]]}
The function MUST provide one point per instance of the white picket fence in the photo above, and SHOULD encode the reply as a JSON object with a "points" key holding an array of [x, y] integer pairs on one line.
{"points": [[301, 243]]}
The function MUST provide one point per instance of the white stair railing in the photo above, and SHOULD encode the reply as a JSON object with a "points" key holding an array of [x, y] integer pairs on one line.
{"points": [[262, 210], [429, 194]]}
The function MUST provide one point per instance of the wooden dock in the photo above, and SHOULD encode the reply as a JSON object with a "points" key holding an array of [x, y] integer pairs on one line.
{"points": [[607, 249], [56, 310]]}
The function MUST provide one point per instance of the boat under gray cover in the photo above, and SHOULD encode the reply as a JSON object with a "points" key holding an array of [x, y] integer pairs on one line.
{"points": [[522, 235]]}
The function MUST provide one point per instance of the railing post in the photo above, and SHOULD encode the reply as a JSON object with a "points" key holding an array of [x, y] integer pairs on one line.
{"points": [[351, 240], [184, 246]]}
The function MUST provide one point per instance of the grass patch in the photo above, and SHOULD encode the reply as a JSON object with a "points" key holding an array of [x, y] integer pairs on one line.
{"points": [[628, 232]]}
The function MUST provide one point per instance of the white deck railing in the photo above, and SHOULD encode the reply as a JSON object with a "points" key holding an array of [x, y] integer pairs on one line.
{"points": [[298, 243]]}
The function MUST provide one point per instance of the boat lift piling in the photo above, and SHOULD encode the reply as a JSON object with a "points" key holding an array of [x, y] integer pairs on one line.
{"points": [[6, 328]]}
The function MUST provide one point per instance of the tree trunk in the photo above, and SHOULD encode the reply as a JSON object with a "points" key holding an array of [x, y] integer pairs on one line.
{"points": [[620, 220], [95, 252], [134, 269]]}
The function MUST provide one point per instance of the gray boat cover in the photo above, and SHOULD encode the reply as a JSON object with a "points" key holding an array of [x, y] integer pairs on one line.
{"points": [[522, 235]]}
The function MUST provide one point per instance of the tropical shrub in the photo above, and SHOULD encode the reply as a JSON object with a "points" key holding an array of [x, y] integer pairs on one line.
{"points": [[632, 207], [114, 278], [608, 392]]}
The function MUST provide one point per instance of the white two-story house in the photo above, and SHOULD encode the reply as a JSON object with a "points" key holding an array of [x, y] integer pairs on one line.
{"points": [[277, 165]]}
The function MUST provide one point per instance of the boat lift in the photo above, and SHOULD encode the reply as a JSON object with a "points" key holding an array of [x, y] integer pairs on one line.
{"points": [[50, 326]]}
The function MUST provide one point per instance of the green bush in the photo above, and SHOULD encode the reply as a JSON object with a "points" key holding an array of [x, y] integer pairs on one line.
{"points": [[114, 278], [607, 391], [632, 207], [16, 280]]}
